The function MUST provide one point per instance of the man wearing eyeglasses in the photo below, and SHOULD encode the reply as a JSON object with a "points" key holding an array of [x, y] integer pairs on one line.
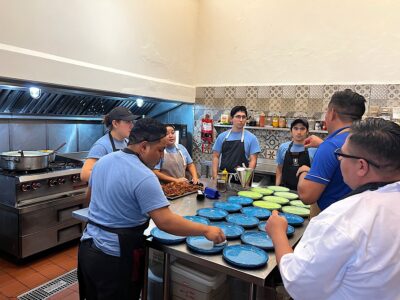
{"points": [[323, 183], [235, 147], [352, 249]]}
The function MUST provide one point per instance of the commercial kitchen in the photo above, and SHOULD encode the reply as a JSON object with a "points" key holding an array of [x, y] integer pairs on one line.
{"points": [[63, 66]]}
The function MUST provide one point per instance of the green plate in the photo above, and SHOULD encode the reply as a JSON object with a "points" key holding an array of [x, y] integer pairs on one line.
{"points": [[267, 205], [276, 199], [277, 188], [262, 190], [249, 194], [299, 203], [287, 195], [300, 211]]}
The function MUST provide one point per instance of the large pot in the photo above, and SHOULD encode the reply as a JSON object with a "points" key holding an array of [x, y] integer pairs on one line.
{"points": [[52, 153], [24, 160]]}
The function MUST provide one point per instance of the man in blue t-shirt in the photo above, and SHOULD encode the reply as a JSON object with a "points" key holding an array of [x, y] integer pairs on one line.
{"points": [[235, 147], [323, 182], [124, 193], [292, 155]]}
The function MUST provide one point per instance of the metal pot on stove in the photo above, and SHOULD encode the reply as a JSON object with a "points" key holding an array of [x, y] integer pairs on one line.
{"points": [[24, 160]]}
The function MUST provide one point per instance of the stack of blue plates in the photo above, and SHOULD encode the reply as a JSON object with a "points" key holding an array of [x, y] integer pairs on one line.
{"points": [[228, 206], [165, 237], [289, 232], [198, 219], [259, 239], [202, 245], [293, 220], [245, 256], [244, 201], [243, 220], [213, 214], [258, 212], [231, 231]]}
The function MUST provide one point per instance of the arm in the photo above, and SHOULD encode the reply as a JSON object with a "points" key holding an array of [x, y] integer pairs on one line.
{"points": [[309, 191], [192, 169], [87, 168], [167, 178], [312, 141], [276, 228], [88, 195], [166, 220], [278, 175], [215, 164], [253, 161]]}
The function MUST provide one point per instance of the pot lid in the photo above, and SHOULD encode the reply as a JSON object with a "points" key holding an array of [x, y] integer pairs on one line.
{"points": [[26, 153]]}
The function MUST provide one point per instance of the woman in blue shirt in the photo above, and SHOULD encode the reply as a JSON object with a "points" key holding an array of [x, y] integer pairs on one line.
{"points": [[119, 122]]}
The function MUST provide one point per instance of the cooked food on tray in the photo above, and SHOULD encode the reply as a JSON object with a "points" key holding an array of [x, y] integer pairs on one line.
{"points": [[174, 189]]}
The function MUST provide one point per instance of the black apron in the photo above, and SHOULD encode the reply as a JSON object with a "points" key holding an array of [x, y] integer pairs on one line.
{"points": [[292, 162], [131, 242], [233, 154], [112, 142]]}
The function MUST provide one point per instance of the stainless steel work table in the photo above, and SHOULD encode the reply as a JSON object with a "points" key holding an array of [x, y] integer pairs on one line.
{"points": [[188, 205]]}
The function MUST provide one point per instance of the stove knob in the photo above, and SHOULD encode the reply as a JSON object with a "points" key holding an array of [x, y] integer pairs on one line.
{"points": [[52, 182], [76, 178], [26, 187], [61, 180], [36, 185]]}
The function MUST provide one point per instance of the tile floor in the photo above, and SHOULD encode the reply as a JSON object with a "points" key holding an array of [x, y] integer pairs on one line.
{"points": [[18, 278]]}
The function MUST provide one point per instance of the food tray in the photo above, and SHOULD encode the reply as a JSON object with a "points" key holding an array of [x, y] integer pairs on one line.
{"points": [[179, 196]]}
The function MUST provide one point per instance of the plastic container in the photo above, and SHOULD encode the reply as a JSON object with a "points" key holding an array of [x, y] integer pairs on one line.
{"points": [[262, 120], [195, 282], [282, 122]]}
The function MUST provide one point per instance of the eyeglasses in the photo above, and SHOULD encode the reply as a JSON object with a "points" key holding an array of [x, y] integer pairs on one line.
{"points": [[339, 154], [240, 117]]}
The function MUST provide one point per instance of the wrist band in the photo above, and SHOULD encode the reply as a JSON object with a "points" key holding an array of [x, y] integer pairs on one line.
{"points": [[298, 176]]}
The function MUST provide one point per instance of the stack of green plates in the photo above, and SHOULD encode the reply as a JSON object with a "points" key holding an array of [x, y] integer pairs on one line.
{"points": [[300, 211], [287, 195], [266, 204], [277, 188], [262, 190], [276, 199], [249, 194], [299, 203]]}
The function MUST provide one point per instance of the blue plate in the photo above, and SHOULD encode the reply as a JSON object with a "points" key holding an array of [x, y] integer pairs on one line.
{"points": [[213, 214], [259, 239], [165, 237], [240, 200], [292, 219], [258, 212], [243, 220], [289, 231], [231, 231], [229, 207], [202, 245], [198, 219], [245, 256]]}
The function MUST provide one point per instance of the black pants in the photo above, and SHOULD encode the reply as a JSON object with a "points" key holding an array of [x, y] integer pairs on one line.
{"points": [[102, 276]]}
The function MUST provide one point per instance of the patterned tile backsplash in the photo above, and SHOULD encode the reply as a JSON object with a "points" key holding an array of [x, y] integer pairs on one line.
{"points": [[294, 100]]}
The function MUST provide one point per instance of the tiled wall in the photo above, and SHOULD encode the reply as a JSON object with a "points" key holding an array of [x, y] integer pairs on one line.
{"points": [[294, 100]]}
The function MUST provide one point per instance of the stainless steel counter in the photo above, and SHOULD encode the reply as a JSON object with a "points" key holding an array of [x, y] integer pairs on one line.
{"points": [[188, 206]]}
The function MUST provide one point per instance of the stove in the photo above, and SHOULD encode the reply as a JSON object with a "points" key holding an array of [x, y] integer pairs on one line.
{"points": [[36, 207]]}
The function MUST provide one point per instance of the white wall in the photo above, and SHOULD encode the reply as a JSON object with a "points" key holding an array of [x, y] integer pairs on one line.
{"points": [[130, 46], [260, 42]]}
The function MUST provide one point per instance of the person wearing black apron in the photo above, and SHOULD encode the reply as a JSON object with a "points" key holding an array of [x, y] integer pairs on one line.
{"points": [[230, 153], [124, 194], [119, 122], [291, 163]]}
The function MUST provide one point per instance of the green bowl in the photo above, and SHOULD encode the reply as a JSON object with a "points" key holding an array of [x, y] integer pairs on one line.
{"points": [[295, 210], [276, 199], [287, 195], [266, 204], [262, 190], [299, 203], [277, 188], [249, 194]]}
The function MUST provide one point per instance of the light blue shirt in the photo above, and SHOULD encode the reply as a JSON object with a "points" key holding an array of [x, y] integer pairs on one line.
{"points": [[251, 145], [280, 155], [124, 191], [103, 146], [173, 149]]}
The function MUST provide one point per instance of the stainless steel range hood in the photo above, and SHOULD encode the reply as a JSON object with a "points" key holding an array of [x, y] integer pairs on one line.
{"points": [[64, 103]]}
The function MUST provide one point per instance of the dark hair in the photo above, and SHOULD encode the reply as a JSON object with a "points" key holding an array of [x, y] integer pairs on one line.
{"points": [[170, 125], [379, 140], [147, 129], [107, 121], [238, 108], [299, 121], [118, 113], [348, 104]]}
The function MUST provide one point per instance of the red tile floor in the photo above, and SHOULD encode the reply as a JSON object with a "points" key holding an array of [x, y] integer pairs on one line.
{"points": [[17, 278]]}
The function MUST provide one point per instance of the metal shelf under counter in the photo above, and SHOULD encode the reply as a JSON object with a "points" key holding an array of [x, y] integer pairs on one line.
{"points": [[268, 128]]}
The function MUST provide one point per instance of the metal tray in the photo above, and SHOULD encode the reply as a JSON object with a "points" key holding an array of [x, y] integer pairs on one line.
{"points": [[183, 195]]}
